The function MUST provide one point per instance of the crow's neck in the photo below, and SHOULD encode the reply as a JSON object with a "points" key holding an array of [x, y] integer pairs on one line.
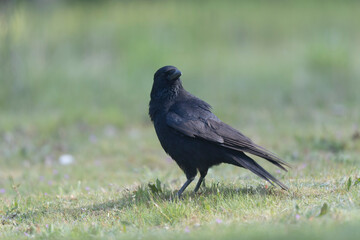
{"points": [[161, 100]]}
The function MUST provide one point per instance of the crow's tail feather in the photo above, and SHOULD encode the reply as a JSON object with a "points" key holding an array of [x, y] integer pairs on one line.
{"points": [[248, 163]]}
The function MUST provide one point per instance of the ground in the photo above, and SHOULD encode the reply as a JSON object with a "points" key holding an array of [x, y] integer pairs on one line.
{"points": [[75, 85]]}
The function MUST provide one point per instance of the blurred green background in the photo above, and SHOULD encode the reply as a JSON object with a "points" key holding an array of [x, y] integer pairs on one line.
{"points": [[93, 61], [75, 78]]}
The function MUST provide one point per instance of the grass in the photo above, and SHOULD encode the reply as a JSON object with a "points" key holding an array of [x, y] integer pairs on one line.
{"points": [[286, 75]]}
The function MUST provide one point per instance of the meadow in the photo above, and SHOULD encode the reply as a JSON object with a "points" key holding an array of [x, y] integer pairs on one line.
{"points": [[75, 80]]}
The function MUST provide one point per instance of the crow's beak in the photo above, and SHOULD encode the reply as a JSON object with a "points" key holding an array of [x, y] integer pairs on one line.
{"points": [[174, 74]]}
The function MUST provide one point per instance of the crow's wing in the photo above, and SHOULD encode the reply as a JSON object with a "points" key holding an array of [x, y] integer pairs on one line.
{"points": [[193, 127], [197, 122]]}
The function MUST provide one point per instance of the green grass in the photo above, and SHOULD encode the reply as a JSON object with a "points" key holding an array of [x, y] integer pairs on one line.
{"points": [[75, 79]]}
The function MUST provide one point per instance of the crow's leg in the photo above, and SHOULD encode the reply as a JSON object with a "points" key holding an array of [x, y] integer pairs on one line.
{"points": [[182, 189], [202, 177], [190, 173]]}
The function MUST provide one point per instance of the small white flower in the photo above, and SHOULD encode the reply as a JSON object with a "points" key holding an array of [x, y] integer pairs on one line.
{"points": [[66, 159]]}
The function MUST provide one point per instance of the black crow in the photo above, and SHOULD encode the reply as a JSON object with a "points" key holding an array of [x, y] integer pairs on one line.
{"points": [[194, 137]]}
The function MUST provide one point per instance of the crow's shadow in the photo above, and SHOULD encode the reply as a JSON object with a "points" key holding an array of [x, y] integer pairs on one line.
{"points": [[143, 195]]}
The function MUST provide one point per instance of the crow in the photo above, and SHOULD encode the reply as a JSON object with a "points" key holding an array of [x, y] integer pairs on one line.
{"points": [[195, 138]]}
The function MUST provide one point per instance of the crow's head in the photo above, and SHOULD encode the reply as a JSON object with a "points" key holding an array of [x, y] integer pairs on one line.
{"points": [[166, 82], [167, 75]]}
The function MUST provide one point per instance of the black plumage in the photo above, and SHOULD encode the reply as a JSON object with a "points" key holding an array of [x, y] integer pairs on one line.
{"points": [[194, 137]]}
